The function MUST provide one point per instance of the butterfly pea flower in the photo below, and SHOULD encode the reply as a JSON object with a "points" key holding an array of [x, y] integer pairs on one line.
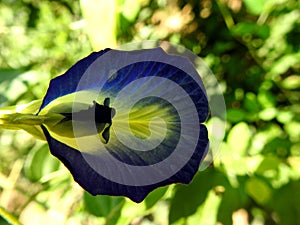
{"points": [[127, 122]]}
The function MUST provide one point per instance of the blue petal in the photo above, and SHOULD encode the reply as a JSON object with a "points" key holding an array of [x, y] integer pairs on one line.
{"points": [[96, 184], [168, 93], [63, 85], [148, 69]]}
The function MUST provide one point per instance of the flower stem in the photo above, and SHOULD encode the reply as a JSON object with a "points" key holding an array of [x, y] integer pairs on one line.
{"points": [[8, 217]]}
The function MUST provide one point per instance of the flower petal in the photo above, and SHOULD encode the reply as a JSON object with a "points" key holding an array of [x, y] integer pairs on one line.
{"points": [[63, 85], [96, 184], [134, 118]]}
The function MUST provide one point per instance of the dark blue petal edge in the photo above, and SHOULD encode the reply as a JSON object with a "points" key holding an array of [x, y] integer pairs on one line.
{"points": [[74, 160], [95, 184], [68, 82]]}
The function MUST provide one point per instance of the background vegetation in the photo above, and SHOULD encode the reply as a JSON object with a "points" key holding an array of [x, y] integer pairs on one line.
{"points": [[252, 46]]}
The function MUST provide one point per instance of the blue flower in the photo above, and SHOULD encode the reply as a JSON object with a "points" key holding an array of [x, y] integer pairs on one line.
{"points": [[127, 122]]}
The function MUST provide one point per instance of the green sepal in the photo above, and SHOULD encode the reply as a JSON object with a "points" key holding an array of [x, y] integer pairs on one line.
{"points": [[22, 117]]}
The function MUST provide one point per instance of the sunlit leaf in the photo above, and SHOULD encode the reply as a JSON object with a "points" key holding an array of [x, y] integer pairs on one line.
{"points": [[291, 82], [236, 115], [284, 63], [208, 211], [250, 102], [104, 206], [155, 196], [258, 190], [130, 211], [266, 99], [268, 114], [256, 7], [239, 138], [187, 199], [251, 28], [285, 116], [39, 163], [293, 129], [233, 197]]}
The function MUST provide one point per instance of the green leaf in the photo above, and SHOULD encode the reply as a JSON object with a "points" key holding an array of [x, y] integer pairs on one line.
{"points": [[263, 136], [244, 28], [208, 211], [155, 196], [250, 102], [130, 211], [267, 114], [104, 206], [269, 163], [285, 116], [9, 74], [273, 169], [295, 150], [291, 82], [277, 146], [266, 99], [235, 115], [238, 139], [40, 163], [285, 202], [233, 198], [258, 190], [188, 198], [256, 7], [293, 129], [281, 65], [234, 164]]}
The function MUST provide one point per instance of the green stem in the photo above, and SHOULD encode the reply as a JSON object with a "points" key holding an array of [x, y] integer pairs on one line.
{"points": [[25, 119], [229, 21], [8, 217], [226, 15], [17, 119], [28, 122]]}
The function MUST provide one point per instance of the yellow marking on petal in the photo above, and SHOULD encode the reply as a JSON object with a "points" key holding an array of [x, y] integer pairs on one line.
{"points": [[140, 120], [65, 104]]}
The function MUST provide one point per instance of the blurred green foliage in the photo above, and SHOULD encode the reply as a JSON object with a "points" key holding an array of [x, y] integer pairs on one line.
{"points": [[252, 47]]}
